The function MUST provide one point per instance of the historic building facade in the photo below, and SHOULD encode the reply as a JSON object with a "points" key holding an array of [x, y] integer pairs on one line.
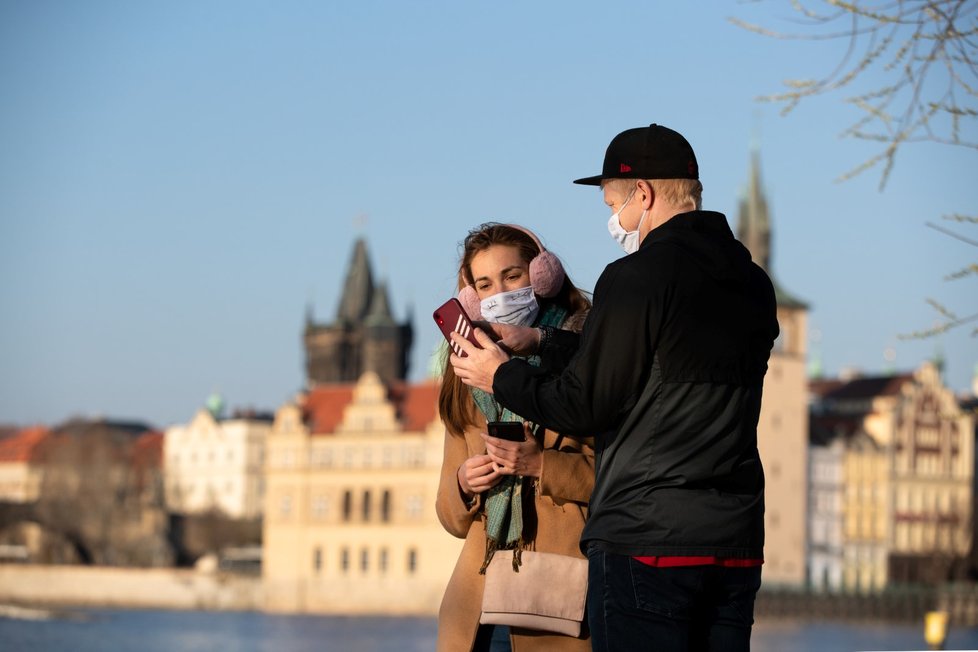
{"points": [[364, 336], [350, 524], [21, 469], [213, 463], [904, 450], [782, 431]]}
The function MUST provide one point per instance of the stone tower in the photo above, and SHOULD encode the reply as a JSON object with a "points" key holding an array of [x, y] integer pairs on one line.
{"points": [[363, 337], [782, 431]]}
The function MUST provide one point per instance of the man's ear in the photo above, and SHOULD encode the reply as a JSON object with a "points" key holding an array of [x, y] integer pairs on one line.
{"points": [[645, 194]]}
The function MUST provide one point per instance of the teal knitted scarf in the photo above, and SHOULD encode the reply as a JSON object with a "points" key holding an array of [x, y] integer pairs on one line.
{"points": [[504, 502]]}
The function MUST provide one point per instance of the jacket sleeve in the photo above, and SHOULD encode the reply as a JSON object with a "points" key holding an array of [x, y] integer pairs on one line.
{"points": [[568, 473], [455, 515], [602, 381]]}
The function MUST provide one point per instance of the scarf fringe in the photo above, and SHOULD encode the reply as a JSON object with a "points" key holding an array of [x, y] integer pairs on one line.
{"points": [[492, 546]]}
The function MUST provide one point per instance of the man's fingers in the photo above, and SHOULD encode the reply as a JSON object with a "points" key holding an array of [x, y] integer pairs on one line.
{"points": [[482, 338]]}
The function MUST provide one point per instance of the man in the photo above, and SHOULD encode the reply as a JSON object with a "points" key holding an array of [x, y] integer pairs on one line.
{"points": [[667, 376]]}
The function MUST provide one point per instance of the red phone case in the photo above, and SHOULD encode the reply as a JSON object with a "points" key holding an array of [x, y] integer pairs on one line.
{"points": [[451, 318]]}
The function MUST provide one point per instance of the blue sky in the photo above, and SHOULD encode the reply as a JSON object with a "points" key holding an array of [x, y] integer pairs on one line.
{"points": [[179, 180]]}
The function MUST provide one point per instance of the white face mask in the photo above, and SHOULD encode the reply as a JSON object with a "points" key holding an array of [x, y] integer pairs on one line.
{"points": [[628, 240], [516, 307]]}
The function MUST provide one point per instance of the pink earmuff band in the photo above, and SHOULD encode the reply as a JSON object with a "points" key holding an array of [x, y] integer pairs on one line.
{"points": [[469, 299]]}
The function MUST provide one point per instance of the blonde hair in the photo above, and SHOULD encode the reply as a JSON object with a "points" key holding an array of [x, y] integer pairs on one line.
{"points": [[677, 192]]}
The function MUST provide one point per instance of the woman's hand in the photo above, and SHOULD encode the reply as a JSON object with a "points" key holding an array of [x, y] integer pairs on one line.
{"points": [[516, 457], [477, 474]]}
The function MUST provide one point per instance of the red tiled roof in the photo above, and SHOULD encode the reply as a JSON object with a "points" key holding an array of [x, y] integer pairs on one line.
{"points": [[24, 445], [322, 409], [822, 386], [416, 405], [868, 387], [147, 451]]}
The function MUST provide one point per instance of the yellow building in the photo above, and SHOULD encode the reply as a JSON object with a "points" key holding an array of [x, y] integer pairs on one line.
{"points": [[352, 473], [908, 469]]}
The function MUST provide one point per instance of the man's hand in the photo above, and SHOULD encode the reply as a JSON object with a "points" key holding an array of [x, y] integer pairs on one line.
{"points": [[518, 340], [478, 366]]}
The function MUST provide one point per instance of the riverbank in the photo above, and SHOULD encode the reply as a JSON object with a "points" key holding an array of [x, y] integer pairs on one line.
{"points": [[54, 587], [140, 588], [906, 604]]}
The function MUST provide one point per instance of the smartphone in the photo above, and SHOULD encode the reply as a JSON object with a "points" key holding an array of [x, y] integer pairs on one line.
{"points": [[511, 430], [451, 318]]}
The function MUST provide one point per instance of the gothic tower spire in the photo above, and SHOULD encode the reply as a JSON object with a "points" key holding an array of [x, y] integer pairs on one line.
{"points": [[754, 223], [359, 287]]}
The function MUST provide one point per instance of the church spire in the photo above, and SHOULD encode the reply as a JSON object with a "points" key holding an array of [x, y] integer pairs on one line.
{"points": [[359, 287], [380, 308], [754, 228], [754, 223]]}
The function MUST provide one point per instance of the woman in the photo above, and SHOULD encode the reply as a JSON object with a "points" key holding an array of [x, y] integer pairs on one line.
{"points": [[505, 275]]}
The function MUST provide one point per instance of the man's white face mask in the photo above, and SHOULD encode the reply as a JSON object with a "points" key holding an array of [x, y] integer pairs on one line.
{"points": [[516, 307], [628, 240]]}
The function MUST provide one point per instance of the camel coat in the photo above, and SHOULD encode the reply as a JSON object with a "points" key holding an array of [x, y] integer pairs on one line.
{"points": [[559, 497]]}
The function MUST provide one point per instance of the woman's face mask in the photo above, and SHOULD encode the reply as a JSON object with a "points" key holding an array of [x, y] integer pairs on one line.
{"points": [[628, 240], [516, 307]]}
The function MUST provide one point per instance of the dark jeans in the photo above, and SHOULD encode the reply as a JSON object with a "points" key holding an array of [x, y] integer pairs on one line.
{"points": [[633, 606], [492, 638]]}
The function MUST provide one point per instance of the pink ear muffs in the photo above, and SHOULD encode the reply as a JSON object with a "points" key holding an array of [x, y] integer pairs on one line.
{"points": [[546, 278], [546, 272], [469, 299]]}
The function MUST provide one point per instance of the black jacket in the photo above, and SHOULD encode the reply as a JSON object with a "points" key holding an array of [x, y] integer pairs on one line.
{"points": [[667, 377]]}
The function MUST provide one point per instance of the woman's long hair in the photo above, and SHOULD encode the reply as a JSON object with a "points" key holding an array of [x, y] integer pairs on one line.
{"points": [[455, 404]]}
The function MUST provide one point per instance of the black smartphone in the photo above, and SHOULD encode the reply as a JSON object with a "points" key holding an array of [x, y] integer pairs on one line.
{"points": [[451, 318], [510, 430]]}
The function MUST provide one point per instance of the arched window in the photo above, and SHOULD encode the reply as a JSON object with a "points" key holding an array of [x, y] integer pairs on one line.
{"points": [[347, 504], [385, 506]]}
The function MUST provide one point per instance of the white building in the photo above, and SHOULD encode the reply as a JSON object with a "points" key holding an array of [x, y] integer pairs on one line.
{"points": [[825, 510], [217, 464]]}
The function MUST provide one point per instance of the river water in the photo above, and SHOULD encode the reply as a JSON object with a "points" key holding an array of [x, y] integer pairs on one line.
{"points": [[172, 631]]}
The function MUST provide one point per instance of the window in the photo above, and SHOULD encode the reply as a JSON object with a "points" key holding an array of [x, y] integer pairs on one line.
{"points": [[412, 561], [317, 559], [364, 559], [365, 507], [414, 506], [285, 505], [385, 506], [347, 505], [345, 560], [320, 507], [382, 561]]}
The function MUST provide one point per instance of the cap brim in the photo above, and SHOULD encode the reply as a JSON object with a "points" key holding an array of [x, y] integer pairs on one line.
{"points": [[590, 181]]}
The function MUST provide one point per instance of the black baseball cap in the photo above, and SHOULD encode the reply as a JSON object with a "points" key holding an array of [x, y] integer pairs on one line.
{"points": [[653, 152]]}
